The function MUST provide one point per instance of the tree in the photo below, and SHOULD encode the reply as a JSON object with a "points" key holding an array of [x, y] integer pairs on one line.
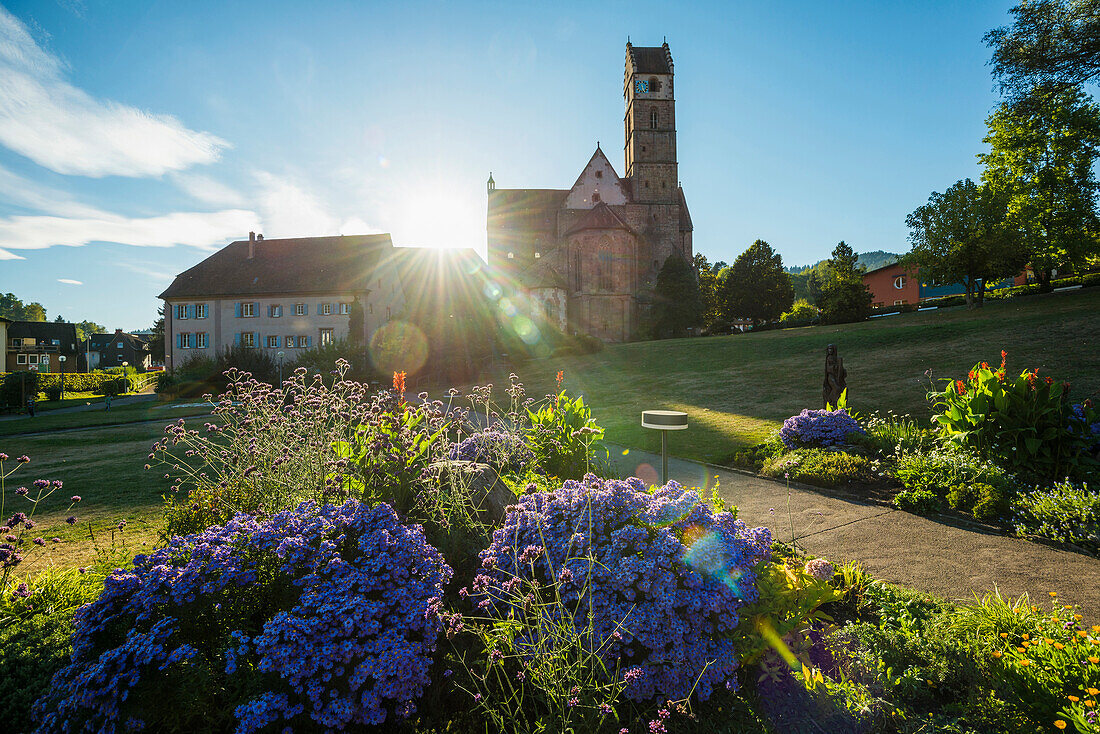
{"points": [[85, 329], [964, 236], [844, 296], [757, 287], [156, 341], [355, 322], [11, 307], [59, 320], [1041, 158], [709, 289], [1051, 43], [676, 302]]}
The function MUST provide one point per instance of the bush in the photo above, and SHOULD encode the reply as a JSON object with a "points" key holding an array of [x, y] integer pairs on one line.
{"points": [[1025, 424], [657, 578], [53, 392], [819, 428], [984, 501], [1066, 512], [320, 360], [316, 619], [18, 386], [928, 477], [802, 313], [564, 437], [819, 467]]}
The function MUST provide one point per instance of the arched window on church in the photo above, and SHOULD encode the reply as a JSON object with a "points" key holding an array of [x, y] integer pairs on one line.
{"points": [[653, 119], [604, 266]]}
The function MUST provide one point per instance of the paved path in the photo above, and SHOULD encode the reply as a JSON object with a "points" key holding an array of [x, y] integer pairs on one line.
{"points": [[141, 397], [926, 554]]}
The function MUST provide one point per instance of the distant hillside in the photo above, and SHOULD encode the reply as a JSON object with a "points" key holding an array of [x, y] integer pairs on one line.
{"points": [[869, 260]]}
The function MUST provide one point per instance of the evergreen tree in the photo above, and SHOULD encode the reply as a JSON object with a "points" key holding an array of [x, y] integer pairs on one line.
{"points": [[156, 342], [1041, 158], [845, 296], [757, 287], [677, 305]]}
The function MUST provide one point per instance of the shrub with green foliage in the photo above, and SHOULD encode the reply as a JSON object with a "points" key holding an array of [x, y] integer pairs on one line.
{"points": [[1023, 424], [984, 501], [565, 437], [927, 477], [888, 435], [18, 386], [1065, 512], [819, 467], [802, 313], [320, 361]]}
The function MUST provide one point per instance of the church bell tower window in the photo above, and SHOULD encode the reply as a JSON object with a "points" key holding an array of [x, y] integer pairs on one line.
{"points": [[653, 119]]}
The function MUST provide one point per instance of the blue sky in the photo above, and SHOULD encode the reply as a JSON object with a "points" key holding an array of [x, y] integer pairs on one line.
{"points": [[136, 137]]}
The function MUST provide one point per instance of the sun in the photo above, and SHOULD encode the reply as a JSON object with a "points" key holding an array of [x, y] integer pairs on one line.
{"points": [[440, 217]]}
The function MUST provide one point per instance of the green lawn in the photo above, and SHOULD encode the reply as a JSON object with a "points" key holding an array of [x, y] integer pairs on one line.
{"points": [[736, 389], [131, 413], [106, 468]]}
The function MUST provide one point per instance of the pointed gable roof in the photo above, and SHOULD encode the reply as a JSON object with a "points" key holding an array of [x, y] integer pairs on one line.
{"points": [[597, 177], [601, 217]]}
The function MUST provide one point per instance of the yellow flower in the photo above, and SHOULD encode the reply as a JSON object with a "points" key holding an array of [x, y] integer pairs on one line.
{"points": [[1090, 704], [997, 653], [1095, 661], [1075, 699], [1024, 635], [1060, 724], [1021, 649], [1092, 691], [1059, 646], [1025, 663], [1049, 641], [1053, 594], [1082, 633], [1077, 617], [1004, 634], [1096, 628]]}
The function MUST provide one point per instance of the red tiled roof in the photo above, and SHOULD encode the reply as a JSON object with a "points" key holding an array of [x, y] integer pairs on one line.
{"points": [[297, 265], [601, 217]]}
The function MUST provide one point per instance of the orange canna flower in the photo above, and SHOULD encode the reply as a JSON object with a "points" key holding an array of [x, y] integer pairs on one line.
{"points": [[960, 387], [561, 377], [985, 365], [1049, 380], [399, 383], [971, 375]]}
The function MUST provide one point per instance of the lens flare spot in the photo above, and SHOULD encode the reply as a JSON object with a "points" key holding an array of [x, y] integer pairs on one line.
{"points": [[492, 291], [526, 330], [707, 555], [647, 474], [399, 346], [508, 308], [383, 161]]}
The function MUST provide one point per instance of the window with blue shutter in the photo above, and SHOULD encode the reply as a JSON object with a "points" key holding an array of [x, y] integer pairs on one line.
{"points": [[190, 341], [255, 308], [237, 311], [305, 309], [237, 338], [309, 342]]}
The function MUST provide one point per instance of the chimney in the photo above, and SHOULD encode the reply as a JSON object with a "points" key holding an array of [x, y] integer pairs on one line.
{"points": [[251, 244], [259, 238], [118, 331]]}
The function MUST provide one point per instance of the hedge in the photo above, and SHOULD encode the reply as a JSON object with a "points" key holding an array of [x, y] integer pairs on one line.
{"points": [[93, 382]]}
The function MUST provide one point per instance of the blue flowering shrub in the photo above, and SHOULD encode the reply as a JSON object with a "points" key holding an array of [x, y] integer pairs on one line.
{"points": [[819, 428], [1065, 512], [316, 619], [505, 452], [656, 578]]}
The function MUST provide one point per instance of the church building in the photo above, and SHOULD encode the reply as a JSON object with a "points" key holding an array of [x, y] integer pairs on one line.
{"points": [[588, 257]]}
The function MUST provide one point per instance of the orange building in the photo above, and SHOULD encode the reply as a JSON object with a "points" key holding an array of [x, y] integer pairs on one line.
{"points": [[892, 285]]}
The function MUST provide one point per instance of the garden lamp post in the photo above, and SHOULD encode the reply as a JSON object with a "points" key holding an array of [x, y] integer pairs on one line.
{"points": [[62, 359], [664, 421], [279, 356]]}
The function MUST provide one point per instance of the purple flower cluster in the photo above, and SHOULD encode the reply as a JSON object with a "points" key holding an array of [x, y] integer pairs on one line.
{"points": [[818, 428], [316, 618], [502, 451], [1084, 422], [659, 577]]}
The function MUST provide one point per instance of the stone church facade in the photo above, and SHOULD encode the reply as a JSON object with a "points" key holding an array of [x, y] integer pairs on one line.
{"points": [[587, 257]]}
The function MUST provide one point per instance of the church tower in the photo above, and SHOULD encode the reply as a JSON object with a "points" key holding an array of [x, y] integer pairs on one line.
{"points": [[650, 124]]}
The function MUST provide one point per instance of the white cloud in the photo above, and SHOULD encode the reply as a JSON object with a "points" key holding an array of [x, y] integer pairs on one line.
{"points": [[61, 127], [208, 191], [70, 281], [143, 269], [288, 210], [206, 231]]}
